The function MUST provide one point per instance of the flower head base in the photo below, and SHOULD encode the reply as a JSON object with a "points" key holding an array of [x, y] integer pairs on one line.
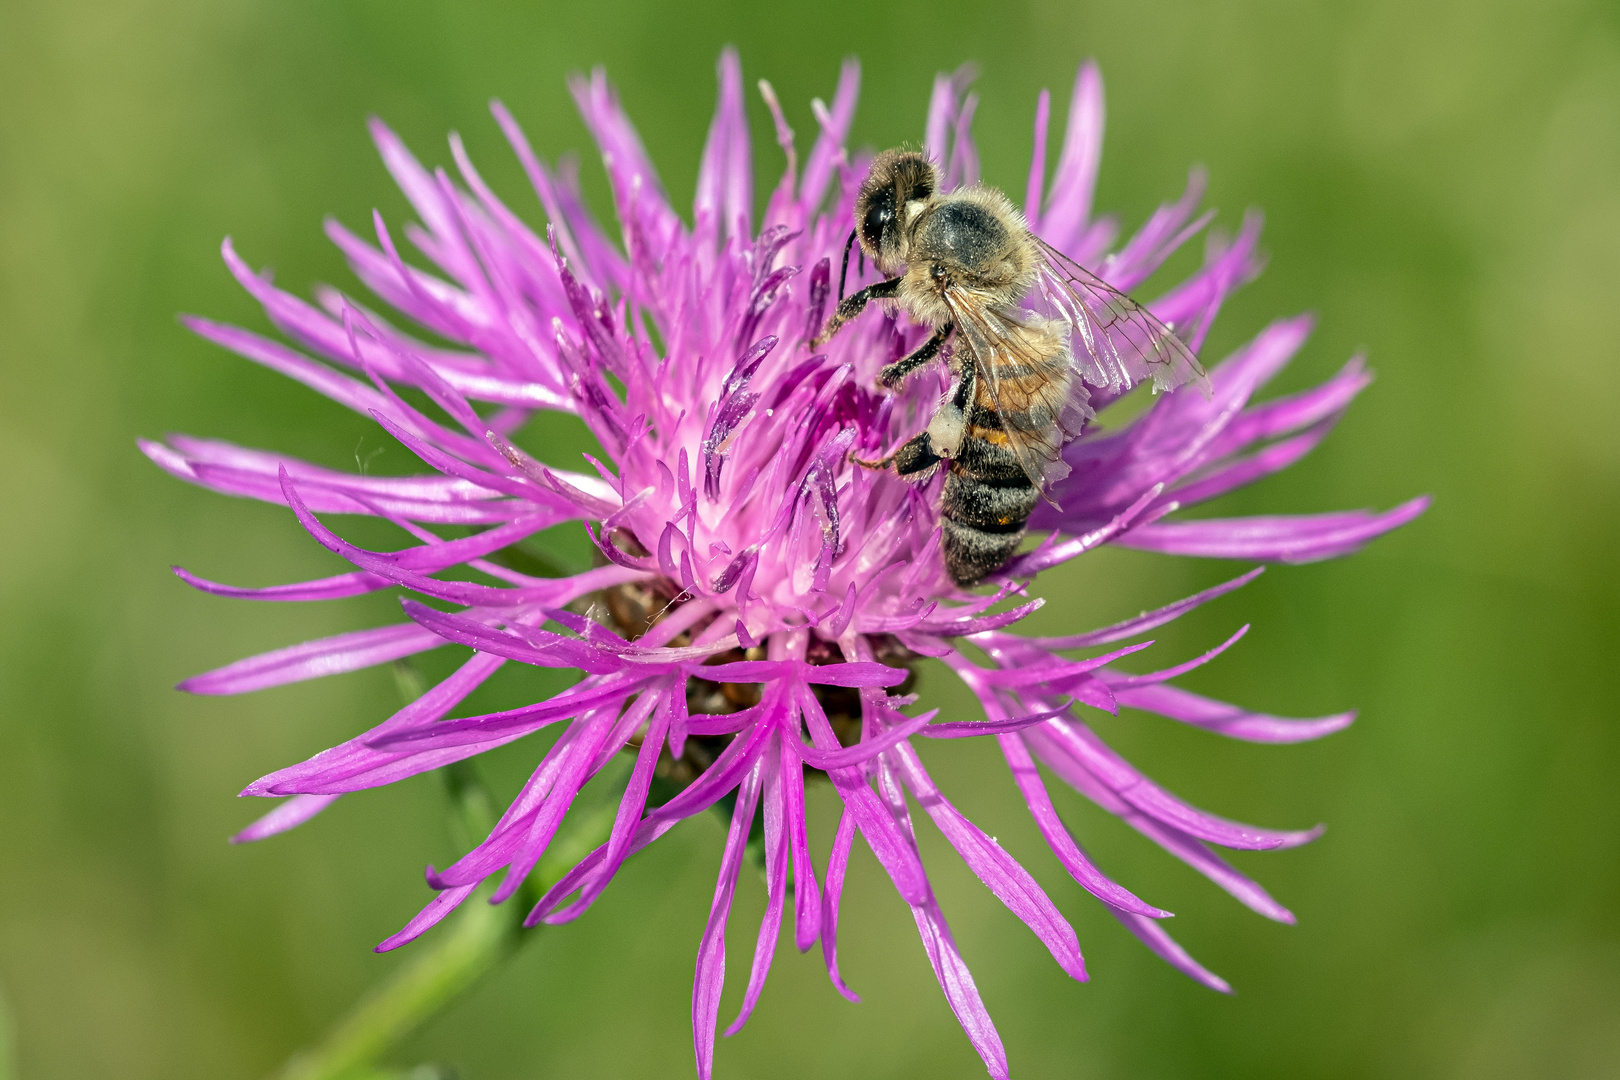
{"points": [[758, 596]]}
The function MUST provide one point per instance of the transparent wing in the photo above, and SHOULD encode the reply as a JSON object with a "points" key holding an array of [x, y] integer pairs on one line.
{"points": [[1026, 369], [1121, 342]]}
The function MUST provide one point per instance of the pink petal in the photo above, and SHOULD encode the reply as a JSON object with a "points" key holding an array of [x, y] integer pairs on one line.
{"points": [[290, 814], [1000, 872], [1069, 206], [776, 865], [711, 959], [1057, 835], [314, 659], [837, 863]]}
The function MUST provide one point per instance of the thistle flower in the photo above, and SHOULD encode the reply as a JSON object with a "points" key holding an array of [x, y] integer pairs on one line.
{"points": [[758, 596]]}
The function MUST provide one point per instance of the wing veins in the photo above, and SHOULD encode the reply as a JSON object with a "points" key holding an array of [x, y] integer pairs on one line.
{"points": [[1126, 342], [992, 334]]}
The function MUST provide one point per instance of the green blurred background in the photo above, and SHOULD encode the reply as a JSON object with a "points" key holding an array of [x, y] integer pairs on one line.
{"points": [[1442, 185]]}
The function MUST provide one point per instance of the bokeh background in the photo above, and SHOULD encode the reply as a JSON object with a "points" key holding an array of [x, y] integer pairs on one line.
{"points": [[1442, 185]]}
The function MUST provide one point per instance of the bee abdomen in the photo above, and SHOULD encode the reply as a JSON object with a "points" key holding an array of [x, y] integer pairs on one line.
{"points": [[1037, 417], [989, 509], [986, 502], [985, 455]]}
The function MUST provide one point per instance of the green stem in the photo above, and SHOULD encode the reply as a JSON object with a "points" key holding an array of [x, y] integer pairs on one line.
{"points": [[479, 938], [475, 939]]}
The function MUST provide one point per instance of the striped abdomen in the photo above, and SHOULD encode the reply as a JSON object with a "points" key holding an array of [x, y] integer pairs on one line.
{"points": [[988, 496]]}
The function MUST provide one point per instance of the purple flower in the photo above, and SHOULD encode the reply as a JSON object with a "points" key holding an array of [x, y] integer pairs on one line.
{"points": [[758, 596]]}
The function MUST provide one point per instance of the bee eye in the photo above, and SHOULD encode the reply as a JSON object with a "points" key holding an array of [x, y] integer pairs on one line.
{"points": [[876, 218], [878, 215]]}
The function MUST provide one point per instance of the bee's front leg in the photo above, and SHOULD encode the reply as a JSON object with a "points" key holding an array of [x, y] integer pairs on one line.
{"points": [[891, 375], [852, 305]]}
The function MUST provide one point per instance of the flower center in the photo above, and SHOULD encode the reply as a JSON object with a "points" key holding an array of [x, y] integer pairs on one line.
{"points": [[635, 607]]}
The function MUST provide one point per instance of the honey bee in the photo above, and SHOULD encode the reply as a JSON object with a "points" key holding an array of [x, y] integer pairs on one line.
{"points": [[962, 262]]}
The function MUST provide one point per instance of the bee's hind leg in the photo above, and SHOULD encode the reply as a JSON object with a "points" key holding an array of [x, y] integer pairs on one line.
{"points": [[891, 375], [916, 456]]}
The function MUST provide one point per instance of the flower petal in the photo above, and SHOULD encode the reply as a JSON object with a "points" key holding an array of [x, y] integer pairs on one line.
{"points": [[711, 959], [999, 871], [1300, 539], [314, 659]]}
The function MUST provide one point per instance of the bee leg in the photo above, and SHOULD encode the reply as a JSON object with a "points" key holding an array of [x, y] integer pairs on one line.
{"points": [[914, 457], [852, 305], [891, 375]]}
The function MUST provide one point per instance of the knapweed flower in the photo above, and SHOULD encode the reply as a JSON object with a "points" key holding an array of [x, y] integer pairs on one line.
{"points": [[759, 599]]}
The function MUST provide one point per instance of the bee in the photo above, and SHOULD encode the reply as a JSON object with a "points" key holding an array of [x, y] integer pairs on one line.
{"points": [[962, 261]]}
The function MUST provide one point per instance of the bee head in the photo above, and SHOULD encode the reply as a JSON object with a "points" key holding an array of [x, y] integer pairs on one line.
{"points": [[897, 178]]}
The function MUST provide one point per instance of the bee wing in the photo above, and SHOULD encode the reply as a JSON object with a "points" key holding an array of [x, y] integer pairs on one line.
{"points": [[1025, 366], [1123, 342]]}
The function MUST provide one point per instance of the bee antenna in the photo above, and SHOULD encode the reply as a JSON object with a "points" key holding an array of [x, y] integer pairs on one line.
{"points": [[843, 271]]}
